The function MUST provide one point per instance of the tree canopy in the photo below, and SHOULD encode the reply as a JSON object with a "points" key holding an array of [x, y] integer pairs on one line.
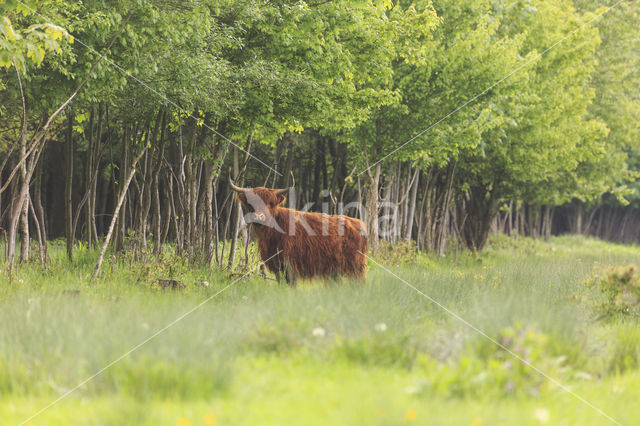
{"points": [[467, 116]]}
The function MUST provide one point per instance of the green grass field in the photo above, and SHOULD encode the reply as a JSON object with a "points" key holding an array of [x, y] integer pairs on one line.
{"points": [[376, 352]]}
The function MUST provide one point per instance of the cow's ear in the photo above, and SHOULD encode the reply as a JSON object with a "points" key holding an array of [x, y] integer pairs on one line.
{"points": [[281, 199]]}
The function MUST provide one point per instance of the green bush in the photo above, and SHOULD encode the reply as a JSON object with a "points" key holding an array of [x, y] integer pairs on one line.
{"points": [[401, 253], [380, 350], [619, 288], [487, 369]]}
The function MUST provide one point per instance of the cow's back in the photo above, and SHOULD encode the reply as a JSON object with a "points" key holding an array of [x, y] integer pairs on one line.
{"points": [[325, 245]]}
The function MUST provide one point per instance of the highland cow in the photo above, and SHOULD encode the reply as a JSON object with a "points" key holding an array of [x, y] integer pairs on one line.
{"points": [[303, 244]]}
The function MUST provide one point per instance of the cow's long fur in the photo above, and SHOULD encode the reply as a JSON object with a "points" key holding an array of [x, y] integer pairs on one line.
{"points": [[337, 248]]}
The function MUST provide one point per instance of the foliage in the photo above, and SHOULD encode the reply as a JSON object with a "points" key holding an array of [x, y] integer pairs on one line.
{"points": [[616, 101], [22, 44], [620, 290], [402, 253], [518, 102]]}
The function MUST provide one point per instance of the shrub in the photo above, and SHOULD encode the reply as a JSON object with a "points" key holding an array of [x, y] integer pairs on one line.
{"points": [[486, 369], [401, 253], [619, 288]]}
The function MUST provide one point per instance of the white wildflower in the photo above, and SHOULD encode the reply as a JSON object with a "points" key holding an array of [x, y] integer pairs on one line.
{"points": [[318, 332], [541, 414], [381, 327]]}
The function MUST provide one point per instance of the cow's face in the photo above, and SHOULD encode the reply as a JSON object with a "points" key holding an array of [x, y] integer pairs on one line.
{"points": [[260, 204]]}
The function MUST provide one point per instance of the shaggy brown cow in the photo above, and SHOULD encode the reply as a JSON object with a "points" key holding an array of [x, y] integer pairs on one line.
{"points": [[310, 244]]}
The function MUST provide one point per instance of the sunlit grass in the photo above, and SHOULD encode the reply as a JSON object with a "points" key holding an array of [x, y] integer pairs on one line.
{"points": [[346, 353]]}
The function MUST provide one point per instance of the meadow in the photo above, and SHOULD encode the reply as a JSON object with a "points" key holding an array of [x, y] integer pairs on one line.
{"points": [[373, 352]]}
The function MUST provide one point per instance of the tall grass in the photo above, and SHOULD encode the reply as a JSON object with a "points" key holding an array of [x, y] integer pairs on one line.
{"points": [[528, 295]]}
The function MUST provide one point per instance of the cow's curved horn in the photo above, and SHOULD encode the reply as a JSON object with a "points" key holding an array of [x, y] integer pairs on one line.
{"points": [[283, 190], [237, 188]]}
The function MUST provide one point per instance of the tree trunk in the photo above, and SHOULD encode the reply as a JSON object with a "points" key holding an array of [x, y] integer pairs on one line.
{"points": [[123, 177], [209, 200], [443, 233], [157, 218], [39, 234], [39, 210], [412, 205], [24, 215], [68, 189], [157, 167], [88, 180], [235, 208], [116, 213], [547, 222], [371, 209], [480, 212]]}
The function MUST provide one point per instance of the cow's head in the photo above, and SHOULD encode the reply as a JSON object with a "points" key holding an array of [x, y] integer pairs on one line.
{"points": [[260, 204]]}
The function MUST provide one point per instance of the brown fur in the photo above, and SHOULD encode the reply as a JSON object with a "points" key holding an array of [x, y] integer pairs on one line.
{"points": [[329, 253]]}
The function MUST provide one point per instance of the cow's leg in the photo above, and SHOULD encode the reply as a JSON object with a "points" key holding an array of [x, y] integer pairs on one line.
{"points": [[333, 277], [290, 276]]}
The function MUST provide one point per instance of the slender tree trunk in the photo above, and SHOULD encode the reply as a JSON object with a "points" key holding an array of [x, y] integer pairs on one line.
{"points": [[239, 221], [546, 222], [422, 214], [146, 196], [95, 162], [317, 170], [577, 222], [169, 213], [510, 220], [179, 237], [429, 227], [41, 250], [209, 200], [217, 229], [24, 215], [371, 208], [412, 206], [88, 179], [68, 189], [190, 195], [16, 209], [158, 165], [444, 213], [16, 206], [237, 210], [39, 210], [129, 134], [102, 208], [116, 213], [157, 218]]}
